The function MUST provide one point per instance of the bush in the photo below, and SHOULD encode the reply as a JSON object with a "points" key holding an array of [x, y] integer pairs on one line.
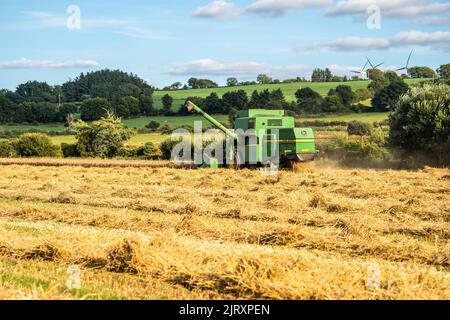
{"points": [[149, 151], [358, 128], [128, 152], [166, 148], [70, 150], [372, 148], [7, 149], [421, 123], [166, 129], [153, 125], [103, 138], [36, 145]]}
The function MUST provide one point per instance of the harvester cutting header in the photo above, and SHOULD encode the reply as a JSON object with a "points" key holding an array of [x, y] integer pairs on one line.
{"points": [[265, 136]]}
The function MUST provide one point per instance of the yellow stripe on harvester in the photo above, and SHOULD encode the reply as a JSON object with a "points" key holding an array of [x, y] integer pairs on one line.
{"points": [[295, 141]]}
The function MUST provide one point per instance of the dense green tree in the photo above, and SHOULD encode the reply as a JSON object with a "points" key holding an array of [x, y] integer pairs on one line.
{"points": [[103, 138], [332, 103], [263, 79], [232, 82], [175, 86], [421, 122], [379, 81], [362, 94], [444, 71], [109, 84], [386, 98], [235, 99], [277, 100], [346, 95], [195, 83], [35, 91], [320, 75], [308, 101], [213, 104], [167, 102], [146, 104], [94, 109], [128, 107], [421, 72], [7, 106]]}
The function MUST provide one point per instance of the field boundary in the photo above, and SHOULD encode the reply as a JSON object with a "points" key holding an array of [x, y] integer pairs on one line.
{"points": [[97, 163]]}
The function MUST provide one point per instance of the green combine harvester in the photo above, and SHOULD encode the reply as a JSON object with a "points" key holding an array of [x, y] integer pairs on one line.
{"points": [[270, 129]]}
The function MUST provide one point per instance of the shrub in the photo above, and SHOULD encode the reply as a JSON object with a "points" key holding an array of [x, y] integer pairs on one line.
{"points": [[149, 151], [153, 125], [166, 148], [7, 149], [358, 128], [166, 129], [36, 145], [421, 123], [70, 150], [371, 148], [103, 138], [128, 152]]}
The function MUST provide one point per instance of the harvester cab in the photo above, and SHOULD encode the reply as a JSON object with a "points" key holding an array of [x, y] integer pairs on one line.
{"points": [[265, 134]]}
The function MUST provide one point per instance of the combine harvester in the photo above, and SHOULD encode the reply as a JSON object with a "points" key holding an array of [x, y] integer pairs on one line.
{"points": [[268, 129]]}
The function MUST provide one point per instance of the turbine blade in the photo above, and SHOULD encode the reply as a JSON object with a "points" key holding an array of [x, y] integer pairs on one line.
{"points": [[378, 65], [364, 68], [409, 58], [368, 60]]}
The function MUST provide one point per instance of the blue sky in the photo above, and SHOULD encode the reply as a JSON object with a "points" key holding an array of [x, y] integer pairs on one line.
{"points": [[168, 41]]}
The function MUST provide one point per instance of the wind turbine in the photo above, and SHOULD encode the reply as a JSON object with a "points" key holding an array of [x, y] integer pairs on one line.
{"points": [[374, 67], [363, 70], [406, 68]]}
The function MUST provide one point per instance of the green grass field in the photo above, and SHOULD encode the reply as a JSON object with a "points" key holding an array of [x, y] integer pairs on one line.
{"points": [[364, 117], [289, 90], [178, 121], [138, 139]]}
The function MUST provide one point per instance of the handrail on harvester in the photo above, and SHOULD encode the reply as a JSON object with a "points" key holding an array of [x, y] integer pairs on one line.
{"points": [[192, 107]]}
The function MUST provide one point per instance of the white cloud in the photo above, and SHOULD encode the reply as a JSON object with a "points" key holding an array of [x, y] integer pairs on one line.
{"points": [[439, 40], [352, 43], [248, 69], [275, 8], [415, 10], [46, 64], [420, 38], [217, 9]]}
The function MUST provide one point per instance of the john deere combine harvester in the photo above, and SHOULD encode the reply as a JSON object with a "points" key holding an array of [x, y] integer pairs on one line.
{"points": [[266, 136]]}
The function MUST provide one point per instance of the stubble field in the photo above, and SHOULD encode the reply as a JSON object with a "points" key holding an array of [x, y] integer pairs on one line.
{"points": [[167, 233]]}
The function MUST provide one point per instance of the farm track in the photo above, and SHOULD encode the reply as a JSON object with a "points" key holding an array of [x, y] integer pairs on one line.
{"points": [[153, 232]]}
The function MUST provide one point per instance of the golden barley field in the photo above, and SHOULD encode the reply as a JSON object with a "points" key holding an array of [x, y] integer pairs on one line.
{"points": [[156, 232]]}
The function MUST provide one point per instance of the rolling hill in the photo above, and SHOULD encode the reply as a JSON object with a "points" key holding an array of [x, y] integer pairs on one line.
{"points": [[289, 90]]}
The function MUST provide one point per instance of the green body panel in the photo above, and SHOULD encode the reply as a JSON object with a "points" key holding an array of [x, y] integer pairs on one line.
{"points": [[266, 130]]}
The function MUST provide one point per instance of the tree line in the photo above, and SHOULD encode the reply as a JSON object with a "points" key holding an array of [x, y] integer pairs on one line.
{"points": [[318, 75], [92, 95]]}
